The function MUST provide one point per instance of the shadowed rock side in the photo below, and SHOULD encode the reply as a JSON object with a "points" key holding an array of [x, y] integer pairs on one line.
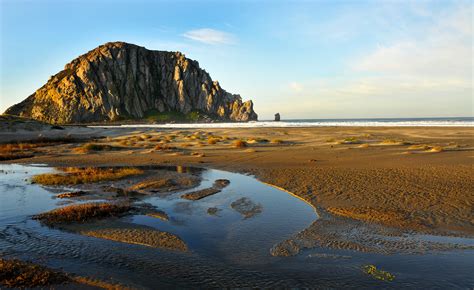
{"points": [[118, 81]]}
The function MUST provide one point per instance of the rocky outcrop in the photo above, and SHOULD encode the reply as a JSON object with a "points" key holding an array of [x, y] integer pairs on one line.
{"points": [[277, 117], [118, 81]]}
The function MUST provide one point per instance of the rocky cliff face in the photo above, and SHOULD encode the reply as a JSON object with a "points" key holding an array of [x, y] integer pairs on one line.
{"points": [[124, 81]]}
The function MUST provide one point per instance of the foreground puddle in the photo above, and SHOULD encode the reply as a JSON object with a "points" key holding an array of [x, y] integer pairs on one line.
{"points": [[228, 234], [239, 224]]}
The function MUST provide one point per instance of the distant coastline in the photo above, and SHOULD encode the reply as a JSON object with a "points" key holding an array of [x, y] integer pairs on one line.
{"points": [[359, 122]]}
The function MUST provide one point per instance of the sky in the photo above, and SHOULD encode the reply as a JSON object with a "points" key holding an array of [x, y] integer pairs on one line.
{"points": [[303, 59]]}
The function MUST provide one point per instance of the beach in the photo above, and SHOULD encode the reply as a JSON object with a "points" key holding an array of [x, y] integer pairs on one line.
{"points": [[389, 180], [375, 190]]}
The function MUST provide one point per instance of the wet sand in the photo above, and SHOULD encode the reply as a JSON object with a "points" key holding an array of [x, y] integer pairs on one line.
{"points": [[408, 179]]}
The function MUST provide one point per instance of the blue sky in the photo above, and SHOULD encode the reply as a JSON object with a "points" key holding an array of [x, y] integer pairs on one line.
{"points": [[304, 59]]}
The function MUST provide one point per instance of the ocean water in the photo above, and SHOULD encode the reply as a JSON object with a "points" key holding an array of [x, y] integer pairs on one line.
{"points": [[381, 122]]}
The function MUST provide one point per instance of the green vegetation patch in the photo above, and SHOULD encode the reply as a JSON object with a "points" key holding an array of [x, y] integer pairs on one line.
{"points": [[377, 273], [174, 116]]}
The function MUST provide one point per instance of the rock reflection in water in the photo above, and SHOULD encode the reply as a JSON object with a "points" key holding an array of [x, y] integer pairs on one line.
{"points": [[246, 207]]}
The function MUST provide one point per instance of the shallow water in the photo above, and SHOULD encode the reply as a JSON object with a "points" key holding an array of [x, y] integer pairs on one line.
{"points": [[225, 250]]}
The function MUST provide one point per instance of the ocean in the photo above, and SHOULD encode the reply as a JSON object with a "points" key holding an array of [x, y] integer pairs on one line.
{"points": [[379, 122]]}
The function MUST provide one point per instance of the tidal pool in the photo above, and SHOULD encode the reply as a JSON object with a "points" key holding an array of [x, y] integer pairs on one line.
{"points": [[229, 246]]}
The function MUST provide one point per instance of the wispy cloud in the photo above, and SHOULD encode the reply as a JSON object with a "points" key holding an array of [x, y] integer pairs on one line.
{"points": [[444, 50], [423, 73], [211, 36]]}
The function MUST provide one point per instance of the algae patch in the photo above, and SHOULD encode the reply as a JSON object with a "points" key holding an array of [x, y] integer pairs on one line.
{"points": [[377, 273]]}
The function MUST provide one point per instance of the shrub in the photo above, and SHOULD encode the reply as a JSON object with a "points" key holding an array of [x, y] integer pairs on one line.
{"points": [[212, 140], [239, 144], [164, 147], [89, 147]]}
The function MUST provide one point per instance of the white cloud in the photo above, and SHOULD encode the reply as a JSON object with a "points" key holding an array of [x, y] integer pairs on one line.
{"points": [[418, 75], [211, 36], [444, 50]]}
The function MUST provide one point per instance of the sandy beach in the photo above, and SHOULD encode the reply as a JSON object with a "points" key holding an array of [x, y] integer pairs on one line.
{"points": [[375, 190], [408, 178]]}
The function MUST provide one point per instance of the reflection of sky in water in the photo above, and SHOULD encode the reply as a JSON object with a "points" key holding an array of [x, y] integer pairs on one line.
{"points": [[18, 198], [235, 232]]}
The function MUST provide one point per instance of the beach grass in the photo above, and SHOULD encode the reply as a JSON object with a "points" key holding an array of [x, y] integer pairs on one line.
{"points": [[19, 274], [91, 147], [277, 141], [239, 144], [83, 212], [74, 175]]}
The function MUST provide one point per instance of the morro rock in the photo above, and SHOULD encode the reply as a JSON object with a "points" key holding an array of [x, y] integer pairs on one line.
{"points": [[119, 81]]}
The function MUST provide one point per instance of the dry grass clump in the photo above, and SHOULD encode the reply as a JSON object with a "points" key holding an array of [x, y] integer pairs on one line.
{"points": [[26, 149], [239, 144], [257, 140], [393, 142], [365, 145], [419, 147], [71, 194], [436, 149], [213, 140], [165, 147], [124, 142], [14, 147], [83, 212], [198, 154], [89, 147], [12, 156], [170, 138], [74, 175], [349, 140], [427, 148], [154, 184], [18, 274]]}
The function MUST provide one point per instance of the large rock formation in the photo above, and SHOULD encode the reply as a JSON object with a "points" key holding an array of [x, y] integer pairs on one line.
{"points": [[119, 81]]}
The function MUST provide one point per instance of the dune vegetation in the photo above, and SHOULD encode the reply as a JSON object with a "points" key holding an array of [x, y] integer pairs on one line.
{"points": [[83, 212], [18, 274], [73, 175]]}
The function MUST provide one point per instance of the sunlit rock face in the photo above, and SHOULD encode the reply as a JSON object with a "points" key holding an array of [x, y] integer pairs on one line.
{"points": [[118, 81]]}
